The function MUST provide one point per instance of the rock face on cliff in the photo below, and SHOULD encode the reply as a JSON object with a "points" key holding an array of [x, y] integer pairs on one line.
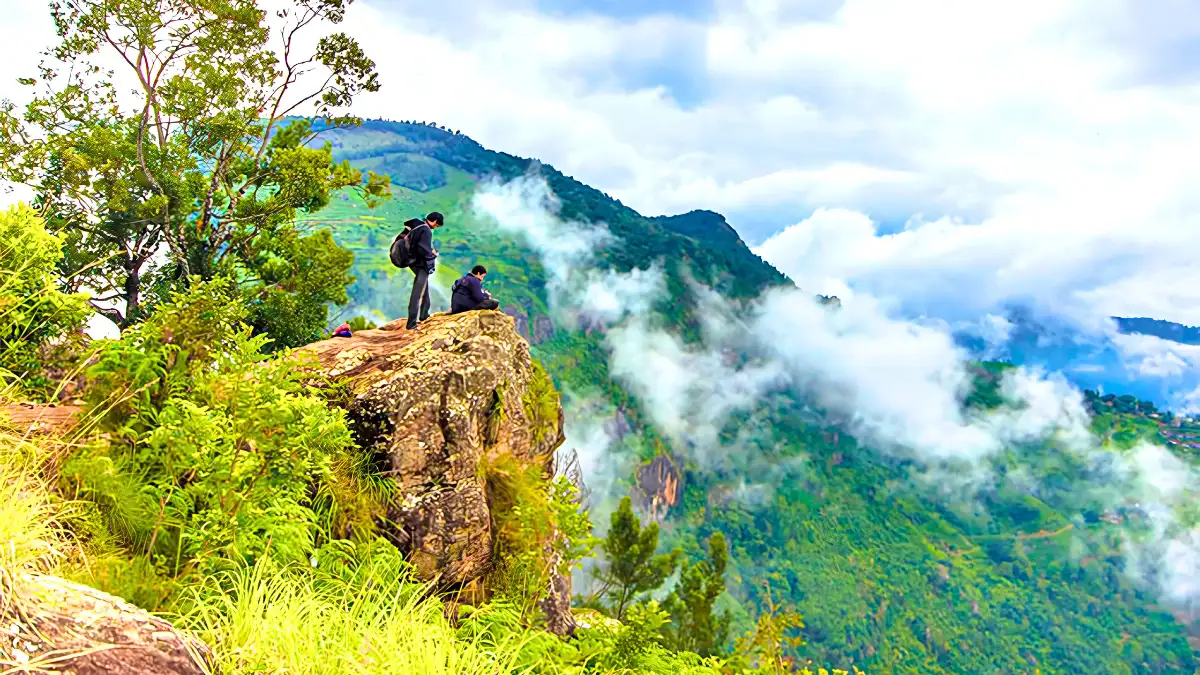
{"points": [[435, 405], [659, 486], [53, 625]]}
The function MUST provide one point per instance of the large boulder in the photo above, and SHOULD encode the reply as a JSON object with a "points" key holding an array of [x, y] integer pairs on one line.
{"points": [[435, 405], [54, 625]]}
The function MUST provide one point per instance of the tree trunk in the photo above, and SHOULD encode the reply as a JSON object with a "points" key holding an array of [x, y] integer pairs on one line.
{"points": [[132, 292]]}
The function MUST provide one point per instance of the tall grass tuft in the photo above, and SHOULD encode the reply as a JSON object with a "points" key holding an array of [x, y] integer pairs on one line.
{"points": [[297, 621], [31, 532]]}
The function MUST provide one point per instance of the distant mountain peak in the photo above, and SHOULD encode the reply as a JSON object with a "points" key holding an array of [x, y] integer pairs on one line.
{"points": [[1167, 330]]}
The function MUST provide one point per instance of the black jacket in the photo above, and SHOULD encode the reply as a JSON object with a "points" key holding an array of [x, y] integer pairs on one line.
{"points": [[420, 243], [467, 294]]}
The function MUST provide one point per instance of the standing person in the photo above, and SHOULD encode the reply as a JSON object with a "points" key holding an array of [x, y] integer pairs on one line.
{"points": [[424, 264], [468, 293]]}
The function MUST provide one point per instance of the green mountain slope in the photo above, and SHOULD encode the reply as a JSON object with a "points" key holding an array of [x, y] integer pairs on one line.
{"points": [[890, 576]]}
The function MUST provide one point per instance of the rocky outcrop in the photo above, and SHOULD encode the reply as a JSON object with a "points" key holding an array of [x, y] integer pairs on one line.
{"points": [[536, 330], [618, 427], [53, 625], [543, 328], [435, 405], [520, 320], [660, 486]]}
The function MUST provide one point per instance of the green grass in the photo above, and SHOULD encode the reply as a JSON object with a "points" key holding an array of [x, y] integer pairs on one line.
{"points": [[32, 536], [297, 621]]}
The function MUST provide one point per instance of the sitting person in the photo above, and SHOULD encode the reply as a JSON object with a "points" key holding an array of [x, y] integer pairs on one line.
{"points": [[468, 293]]}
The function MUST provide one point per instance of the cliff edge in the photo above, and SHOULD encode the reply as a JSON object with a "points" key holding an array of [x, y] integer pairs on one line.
{"points": [[435, 406]]}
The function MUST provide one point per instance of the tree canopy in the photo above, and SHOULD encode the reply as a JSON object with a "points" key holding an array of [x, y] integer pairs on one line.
{"points": [[196, 171]]}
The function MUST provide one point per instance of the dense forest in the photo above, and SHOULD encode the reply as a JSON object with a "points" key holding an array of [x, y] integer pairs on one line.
{"points": [[223, 220]]}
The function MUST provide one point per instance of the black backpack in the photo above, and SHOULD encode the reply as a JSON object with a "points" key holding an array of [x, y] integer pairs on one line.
{"points": [[401, 250]]}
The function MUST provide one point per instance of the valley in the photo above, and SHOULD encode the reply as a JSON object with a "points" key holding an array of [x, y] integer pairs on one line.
{"points": [[890, 575]]}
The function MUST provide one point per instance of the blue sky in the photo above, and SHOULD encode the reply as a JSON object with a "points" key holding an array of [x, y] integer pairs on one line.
{"points": [[945, 157]]}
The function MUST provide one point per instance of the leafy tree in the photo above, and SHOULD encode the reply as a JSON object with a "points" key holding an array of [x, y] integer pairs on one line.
{"points": [[631, 566], [204, 165], [34, 314], [773, 636], [694, 625], [292, 280]]}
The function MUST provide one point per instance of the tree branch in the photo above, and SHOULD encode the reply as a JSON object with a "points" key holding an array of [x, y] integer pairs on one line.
{"points": [[111, 313]]}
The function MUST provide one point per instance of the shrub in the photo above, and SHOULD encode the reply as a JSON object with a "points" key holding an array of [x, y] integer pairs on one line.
{"points": [[36, 318], [214, 452]]}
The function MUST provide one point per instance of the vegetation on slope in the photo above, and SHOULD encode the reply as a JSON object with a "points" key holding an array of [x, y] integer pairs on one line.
{"points": [[205, 482], [889, 576], [208, 483]]}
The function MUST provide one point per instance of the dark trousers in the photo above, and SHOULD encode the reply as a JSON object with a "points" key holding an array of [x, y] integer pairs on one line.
{"points": [[419, 300], [458, 307]]}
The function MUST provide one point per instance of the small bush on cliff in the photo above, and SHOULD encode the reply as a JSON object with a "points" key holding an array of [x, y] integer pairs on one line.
{"points": [[213, 452], [540, 532], [541, 403]]}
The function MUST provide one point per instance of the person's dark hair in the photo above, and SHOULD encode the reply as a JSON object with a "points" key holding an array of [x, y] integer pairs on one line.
{"points": [[435, 217], [479, 269]]}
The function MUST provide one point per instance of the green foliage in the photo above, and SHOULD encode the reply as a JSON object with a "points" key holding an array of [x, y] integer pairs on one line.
{"points": [[541, 403], [213, 451], [775, 635], [290, 281], [540, 531], [631, 565], [574, 541], [895, 578], [353, 501], [366, 616], [200, 161], [640, 633], [361, 323], [695, 624], [35, 317]]}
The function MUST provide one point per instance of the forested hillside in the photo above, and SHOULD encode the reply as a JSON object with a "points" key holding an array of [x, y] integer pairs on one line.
{"points": [[782, 484], [889, 574]]}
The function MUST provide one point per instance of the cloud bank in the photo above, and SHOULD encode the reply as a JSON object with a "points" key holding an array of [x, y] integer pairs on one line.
{"points": [[946, 158], [897, 385]]}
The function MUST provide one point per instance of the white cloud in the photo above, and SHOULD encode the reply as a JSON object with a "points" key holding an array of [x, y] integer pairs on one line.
{"points": [[1038, 147], [896, 384], [1051, 173], [1155, 357]]}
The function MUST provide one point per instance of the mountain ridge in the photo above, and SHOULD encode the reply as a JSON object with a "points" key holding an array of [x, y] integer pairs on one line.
{"points": [[1167, 330], [578, 201]]}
